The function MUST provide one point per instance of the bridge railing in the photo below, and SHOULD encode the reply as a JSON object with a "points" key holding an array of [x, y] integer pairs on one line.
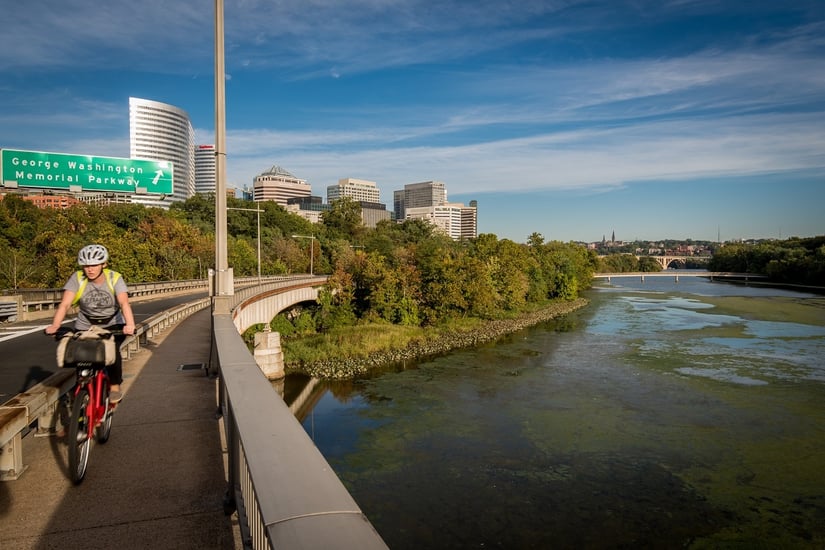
{"points": [[675, 274], [286, 493]]}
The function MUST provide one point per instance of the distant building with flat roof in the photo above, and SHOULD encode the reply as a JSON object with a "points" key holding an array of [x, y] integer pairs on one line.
{"points": [[310, 208], [205, 170], [416, 195], [427, 200], [356, 189]]}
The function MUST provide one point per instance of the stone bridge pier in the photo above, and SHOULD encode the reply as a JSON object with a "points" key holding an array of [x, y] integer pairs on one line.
{"points": [[261, 309]]}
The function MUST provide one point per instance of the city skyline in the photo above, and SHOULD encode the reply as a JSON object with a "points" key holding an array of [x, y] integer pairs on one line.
{"points": [[656, 120]]}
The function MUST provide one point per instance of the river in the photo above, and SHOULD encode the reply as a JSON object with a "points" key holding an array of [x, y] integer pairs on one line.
{"points": [[662, 415]]}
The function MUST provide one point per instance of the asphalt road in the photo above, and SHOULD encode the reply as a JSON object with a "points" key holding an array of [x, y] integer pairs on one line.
{"points": [[27, 356]]}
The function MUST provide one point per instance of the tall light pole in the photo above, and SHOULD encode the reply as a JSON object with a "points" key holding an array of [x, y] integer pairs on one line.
{"points": [[258, 210], [223, 284], [311, 248]]}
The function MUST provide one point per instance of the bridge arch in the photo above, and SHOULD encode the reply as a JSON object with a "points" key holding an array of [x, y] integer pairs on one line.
{"points": [[667, 261], [262, 308]]}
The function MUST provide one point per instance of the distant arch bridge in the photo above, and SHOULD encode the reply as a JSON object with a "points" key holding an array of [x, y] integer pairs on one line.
{"points": [[666, 261]]}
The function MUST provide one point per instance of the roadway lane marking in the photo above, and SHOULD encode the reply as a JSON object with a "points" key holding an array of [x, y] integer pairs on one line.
{"points": [[11, 333]]}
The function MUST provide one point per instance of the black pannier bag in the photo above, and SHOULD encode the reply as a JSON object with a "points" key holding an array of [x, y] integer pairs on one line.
{"points": [[93, 347]]}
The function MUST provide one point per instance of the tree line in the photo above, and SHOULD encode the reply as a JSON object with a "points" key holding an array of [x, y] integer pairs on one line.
{"points": [[795, 260], [408, 273]]}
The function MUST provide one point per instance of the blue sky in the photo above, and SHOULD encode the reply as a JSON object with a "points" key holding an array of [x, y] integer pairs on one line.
{"points": [[654, 119]]}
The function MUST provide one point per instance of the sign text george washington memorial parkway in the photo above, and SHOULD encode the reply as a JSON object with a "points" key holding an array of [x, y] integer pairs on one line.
{"points": [[79, 173]]}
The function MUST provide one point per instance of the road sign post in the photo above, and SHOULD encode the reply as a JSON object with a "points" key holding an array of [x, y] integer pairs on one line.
{"points": [[79, 173]]}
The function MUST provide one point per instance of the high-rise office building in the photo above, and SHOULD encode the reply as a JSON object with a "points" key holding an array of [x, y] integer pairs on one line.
{"points": [[205, 171], [427, 193], [447, 217], [428, 201], [366, 194], [158, 131], [398, 205], [278, 185], [469, 221], [417, 195]]}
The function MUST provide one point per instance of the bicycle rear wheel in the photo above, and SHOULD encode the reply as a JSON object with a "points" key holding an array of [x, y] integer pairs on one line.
{"points": [[79, 441], [103, 429]]}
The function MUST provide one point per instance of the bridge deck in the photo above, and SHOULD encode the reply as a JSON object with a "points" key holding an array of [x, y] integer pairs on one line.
{"points": [[160, 480], [719, 275]]}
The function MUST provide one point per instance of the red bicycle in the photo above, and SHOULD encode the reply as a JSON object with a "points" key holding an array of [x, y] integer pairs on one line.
{"points": [[91, 411]]}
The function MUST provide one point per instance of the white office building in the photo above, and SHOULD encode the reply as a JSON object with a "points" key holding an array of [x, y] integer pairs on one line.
{"points": [[469, 221], [158, 131], [446, 217], [358, 190], [205, 171], [366, 194]]}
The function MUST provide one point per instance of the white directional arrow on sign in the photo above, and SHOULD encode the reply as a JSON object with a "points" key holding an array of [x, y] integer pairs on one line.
{"points": [[158, 175]]}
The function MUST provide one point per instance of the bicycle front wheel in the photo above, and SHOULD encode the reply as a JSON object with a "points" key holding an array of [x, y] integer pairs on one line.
{"points": [[79, 441]]}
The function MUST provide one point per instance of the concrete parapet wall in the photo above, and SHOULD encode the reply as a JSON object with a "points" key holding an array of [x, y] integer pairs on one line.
{"points": [[286, 491]]}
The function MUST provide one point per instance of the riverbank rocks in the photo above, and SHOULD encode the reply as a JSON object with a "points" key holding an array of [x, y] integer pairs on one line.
{"points": [[348, 368]]}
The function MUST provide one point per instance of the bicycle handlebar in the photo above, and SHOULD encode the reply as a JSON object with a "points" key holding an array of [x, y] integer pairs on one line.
{"points": [[64, 331]]}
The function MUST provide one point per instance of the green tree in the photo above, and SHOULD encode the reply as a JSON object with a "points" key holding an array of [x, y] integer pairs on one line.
{"points": [[242, 257], [343, 219], [648, 264], [335, 302]]}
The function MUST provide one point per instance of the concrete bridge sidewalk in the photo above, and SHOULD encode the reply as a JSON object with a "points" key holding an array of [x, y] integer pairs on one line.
{"points": [[160, 480]]}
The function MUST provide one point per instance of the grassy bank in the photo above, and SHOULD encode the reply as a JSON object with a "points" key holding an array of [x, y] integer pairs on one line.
{"points": [[348, 352]]}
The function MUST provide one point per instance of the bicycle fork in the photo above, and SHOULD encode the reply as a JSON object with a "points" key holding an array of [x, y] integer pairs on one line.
{"points": [[95, 410]]}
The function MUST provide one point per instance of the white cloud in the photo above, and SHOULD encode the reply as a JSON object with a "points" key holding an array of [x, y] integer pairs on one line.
{"points": [[572, 159]]}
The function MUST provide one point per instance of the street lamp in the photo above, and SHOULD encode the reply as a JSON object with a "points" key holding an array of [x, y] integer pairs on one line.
{"points": [[224, 285], [311, 248], [258, 210]]}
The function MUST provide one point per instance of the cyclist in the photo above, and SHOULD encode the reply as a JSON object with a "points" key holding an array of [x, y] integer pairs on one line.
{"points": [[103, 299]]}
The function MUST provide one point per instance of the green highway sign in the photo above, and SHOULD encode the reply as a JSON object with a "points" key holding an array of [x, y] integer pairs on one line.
{"points": [[78, 173]]}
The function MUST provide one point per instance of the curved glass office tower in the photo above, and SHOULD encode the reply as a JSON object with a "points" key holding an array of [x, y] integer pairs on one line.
{"points": [[159, 131]]}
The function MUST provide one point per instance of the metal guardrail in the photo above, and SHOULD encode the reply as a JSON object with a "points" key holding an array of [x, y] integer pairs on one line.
{"points": [[9, 309]]}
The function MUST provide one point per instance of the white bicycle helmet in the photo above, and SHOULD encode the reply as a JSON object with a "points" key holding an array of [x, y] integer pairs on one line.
{"points": [[93, 254]]}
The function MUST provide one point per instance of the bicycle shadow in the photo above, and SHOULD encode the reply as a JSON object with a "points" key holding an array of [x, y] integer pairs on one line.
{"points": [[34, 376], [58, 436], [5, 499]]}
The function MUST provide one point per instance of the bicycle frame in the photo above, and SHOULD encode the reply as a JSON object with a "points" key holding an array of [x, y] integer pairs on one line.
{"points": [[95, 379], [90, 410]]}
